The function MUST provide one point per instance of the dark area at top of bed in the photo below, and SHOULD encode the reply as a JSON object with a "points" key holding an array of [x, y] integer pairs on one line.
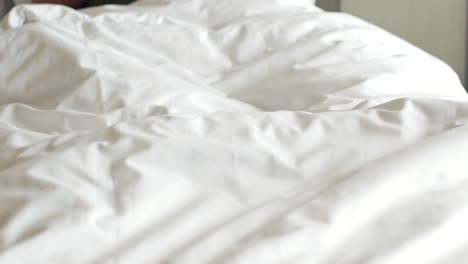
{"points": [[107, 2]]}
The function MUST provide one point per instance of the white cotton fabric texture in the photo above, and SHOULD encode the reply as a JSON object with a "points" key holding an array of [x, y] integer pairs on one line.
{"points": [[217, 131]]}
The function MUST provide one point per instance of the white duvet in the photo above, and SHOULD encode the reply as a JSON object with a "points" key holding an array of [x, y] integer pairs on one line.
{"points": [[222, 131]]}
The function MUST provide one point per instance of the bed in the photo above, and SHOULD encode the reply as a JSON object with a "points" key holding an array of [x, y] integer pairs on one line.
{"points": [[220, 131]]}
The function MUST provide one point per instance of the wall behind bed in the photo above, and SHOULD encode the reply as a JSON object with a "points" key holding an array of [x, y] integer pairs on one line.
{"points": [[437, 26]]}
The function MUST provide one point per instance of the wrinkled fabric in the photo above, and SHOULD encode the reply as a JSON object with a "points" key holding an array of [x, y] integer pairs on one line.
{"points": [[229, 132]]}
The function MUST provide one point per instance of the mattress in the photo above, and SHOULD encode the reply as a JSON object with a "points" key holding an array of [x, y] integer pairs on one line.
{"points": [[220, 131]]}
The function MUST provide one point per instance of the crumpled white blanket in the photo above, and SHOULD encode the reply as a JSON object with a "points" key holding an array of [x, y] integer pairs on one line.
{"points": [[220, 131]]}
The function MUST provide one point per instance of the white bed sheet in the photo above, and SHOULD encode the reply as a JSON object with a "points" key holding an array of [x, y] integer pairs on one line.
{"points": [[222, 131]]}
